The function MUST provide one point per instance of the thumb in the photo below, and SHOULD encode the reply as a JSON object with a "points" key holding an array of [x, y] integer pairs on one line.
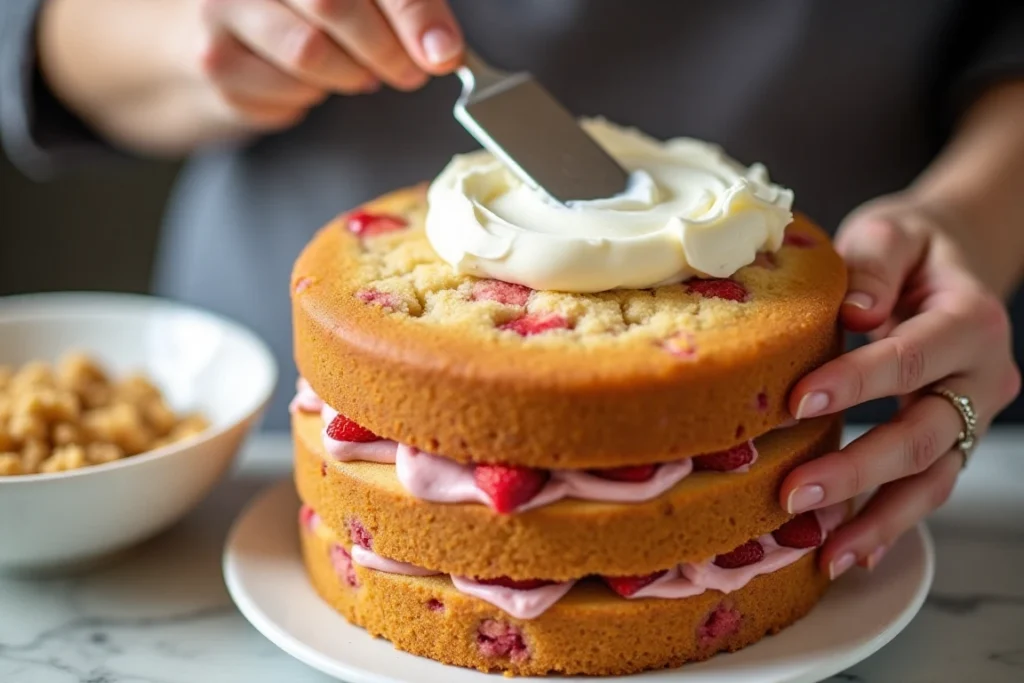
{"points": [[880, 253], [429, 32]]}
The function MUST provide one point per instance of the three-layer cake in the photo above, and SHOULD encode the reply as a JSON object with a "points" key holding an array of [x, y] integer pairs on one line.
{"points": [[537, 481]]}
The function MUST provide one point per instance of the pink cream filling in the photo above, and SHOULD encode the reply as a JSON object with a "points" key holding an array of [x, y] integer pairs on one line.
{"points": [[690, 579], [682, 581], [371, 560], [431, 477], [521, 604], [439, 480]]}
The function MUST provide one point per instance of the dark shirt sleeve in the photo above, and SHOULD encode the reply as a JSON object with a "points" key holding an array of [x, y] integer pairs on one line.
{"points": [[994, 54], [39, 135]]}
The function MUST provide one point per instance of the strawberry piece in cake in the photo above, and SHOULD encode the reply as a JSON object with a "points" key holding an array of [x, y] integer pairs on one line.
{"points": [[725, 461], [366, 224], [628, 585], [509, 486], [508, 293], [536, 323], [747, 554], [343, 429], [718, 289], [803, 531], [634, 473]]}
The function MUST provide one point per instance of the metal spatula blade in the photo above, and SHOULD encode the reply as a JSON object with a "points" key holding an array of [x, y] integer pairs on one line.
{"points": [[521, 124]]}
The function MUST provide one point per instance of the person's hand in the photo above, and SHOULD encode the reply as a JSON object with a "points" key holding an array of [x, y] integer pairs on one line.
{"points": [[267, 62], [931, 322]]}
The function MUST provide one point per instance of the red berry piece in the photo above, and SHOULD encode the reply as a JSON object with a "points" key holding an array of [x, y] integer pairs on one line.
{"points": [[628, 585], [633, 473], [435, 605], [382, 299], [762, 402], [723, 621], [747, 554], [524, 585], [536, 323], [682, 345], [727, 460], [508, 293], [803, 531], [365, 224], [497, 639], [302, 284], [343, 429], [343, 566], [509, 486], [307, 517], [718, 289], [360, 536], [797, 239]]}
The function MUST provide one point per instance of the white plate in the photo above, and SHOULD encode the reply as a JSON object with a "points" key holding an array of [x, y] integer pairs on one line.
{"points": [[265, 576]]}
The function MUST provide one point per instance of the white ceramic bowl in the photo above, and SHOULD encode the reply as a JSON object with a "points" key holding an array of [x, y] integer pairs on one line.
{"points": [[199, 360]]}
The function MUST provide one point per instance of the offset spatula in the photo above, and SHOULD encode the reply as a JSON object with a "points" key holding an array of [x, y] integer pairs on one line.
{"points": [[521, 124]]}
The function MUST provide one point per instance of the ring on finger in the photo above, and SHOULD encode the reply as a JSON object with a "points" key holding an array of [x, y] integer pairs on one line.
{"points": [[967, 439]]}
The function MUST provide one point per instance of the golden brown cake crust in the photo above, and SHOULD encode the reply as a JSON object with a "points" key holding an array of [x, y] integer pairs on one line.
{"points": [[591, 631], [706, 514], [392, 338]]}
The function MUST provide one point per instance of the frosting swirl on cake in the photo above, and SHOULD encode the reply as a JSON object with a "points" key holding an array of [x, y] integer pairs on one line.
{"points": [[689, 210]]}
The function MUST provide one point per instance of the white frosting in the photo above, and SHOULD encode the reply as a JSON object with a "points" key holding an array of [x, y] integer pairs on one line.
{"points": [[689, 211]]}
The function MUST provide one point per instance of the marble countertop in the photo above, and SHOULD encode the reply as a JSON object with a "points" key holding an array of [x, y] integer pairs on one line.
{"points": [[160, 613]]}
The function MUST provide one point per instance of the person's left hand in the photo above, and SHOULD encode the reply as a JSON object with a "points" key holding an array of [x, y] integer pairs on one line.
{"points": [[931, 322]]}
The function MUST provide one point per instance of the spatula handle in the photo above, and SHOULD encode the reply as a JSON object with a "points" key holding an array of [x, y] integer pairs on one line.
{"points": [[476, 74]]}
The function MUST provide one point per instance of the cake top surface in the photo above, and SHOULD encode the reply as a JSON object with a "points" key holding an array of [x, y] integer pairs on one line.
{"points": [[377, 267]]}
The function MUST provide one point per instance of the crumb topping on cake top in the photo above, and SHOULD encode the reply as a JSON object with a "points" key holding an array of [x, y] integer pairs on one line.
{"points": [[399, 271]]}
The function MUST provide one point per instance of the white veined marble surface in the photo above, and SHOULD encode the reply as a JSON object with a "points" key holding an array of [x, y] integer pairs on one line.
{"points": [[161, 614]]}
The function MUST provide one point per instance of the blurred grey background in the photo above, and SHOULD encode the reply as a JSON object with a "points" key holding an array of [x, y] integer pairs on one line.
{"points": [[93, 230]]}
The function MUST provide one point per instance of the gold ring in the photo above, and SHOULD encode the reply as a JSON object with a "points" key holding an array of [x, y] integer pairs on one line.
{"points": [[966, 440]]}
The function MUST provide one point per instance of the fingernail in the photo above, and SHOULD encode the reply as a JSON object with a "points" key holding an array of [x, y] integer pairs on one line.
{"points": [[803, 498], [439, 45], [812, 404], [840, 565], [860, 300], [875, 557]]}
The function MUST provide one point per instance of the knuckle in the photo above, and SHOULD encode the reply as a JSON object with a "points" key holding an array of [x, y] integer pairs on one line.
{"points": [[854, 378], [993, 318], [850, 475], [332, 9], [910, 364], [309, 46], [920, 450], [403, 8], [390, 53], [941, 491], [215, 56]]}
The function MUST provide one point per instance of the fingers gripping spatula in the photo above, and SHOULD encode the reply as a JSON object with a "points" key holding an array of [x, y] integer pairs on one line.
{"points": [[521, 124]]}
